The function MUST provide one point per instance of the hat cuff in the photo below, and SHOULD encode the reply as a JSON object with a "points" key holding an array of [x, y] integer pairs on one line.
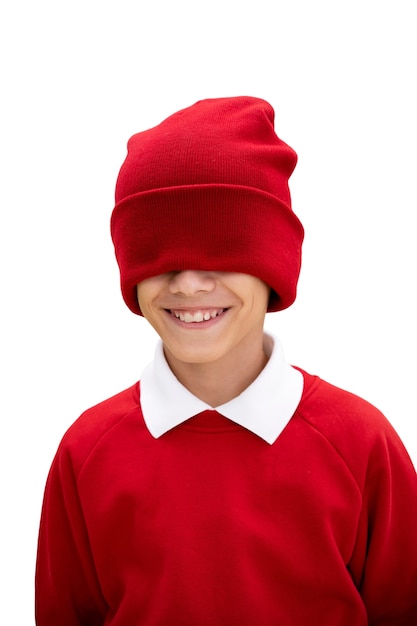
{"points": [[213, 227]]}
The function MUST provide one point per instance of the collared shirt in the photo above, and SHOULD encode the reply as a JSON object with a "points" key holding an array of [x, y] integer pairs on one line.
{"points": [[264, 408]]}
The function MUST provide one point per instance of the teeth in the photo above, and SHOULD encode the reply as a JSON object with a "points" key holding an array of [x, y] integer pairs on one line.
{"points": [[197, 316]]}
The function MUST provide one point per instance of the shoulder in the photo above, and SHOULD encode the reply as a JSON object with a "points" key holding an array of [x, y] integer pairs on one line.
{"points": [[97, 422], [357, 430], [329, 407]]}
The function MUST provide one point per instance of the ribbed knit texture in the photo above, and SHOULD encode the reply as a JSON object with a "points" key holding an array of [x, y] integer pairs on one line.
{"points": [[207, 189]]}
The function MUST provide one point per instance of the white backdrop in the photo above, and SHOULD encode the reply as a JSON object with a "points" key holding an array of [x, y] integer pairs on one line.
{"points": [[79, 78]]}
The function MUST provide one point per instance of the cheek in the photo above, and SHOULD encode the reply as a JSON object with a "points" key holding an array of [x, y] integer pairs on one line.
{"points": [[141, 300], [260, 298], [263, 294], [145, 294], [145, 304]]}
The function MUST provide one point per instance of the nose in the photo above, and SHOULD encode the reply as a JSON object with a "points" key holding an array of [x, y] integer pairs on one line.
{"points": [[191, 282]]}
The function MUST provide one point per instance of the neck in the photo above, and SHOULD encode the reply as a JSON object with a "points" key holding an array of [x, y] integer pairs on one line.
{"points": [[220, 381]]}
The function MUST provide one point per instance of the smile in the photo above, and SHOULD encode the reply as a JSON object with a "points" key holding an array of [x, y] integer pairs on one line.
{"points": [[196, 317]]}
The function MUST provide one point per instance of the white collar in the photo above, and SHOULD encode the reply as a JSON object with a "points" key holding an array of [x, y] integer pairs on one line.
{"points": [[264, 408]]}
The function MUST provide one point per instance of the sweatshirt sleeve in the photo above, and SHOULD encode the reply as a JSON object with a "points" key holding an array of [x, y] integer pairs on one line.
{"points": [[67, 589], [385, 559]]}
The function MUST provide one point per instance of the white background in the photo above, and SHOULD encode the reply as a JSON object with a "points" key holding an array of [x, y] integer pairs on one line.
{"points": [[77, 79]]}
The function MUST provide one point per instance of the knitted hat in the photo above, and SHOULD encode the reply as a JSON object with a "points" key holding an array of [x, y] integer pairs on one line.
{"points": [[207, 189]]}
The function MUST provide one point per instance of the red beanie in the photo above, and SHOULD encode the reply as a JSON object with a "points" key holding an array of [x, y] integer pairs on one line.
{"points": [[207, 189]]}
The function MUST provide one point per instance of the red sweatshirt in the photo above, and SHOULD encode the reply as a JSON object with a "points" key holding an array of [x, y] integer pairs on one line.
{"points": [[211, 526]]}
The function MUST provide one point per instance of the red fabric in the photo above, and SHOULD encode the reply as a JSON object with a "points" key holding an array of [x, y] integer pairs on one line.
{"points": [[211, 526], [207, 189]]}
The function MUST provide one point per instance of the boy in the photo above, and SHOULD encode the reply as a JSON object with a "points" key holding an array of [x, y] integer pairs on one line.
{"points": [[227, 487]]}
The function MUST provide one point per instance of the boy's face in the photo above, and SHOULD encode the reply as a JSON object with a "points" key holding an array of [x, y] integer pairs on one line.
{"points": [[204, 316]]}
